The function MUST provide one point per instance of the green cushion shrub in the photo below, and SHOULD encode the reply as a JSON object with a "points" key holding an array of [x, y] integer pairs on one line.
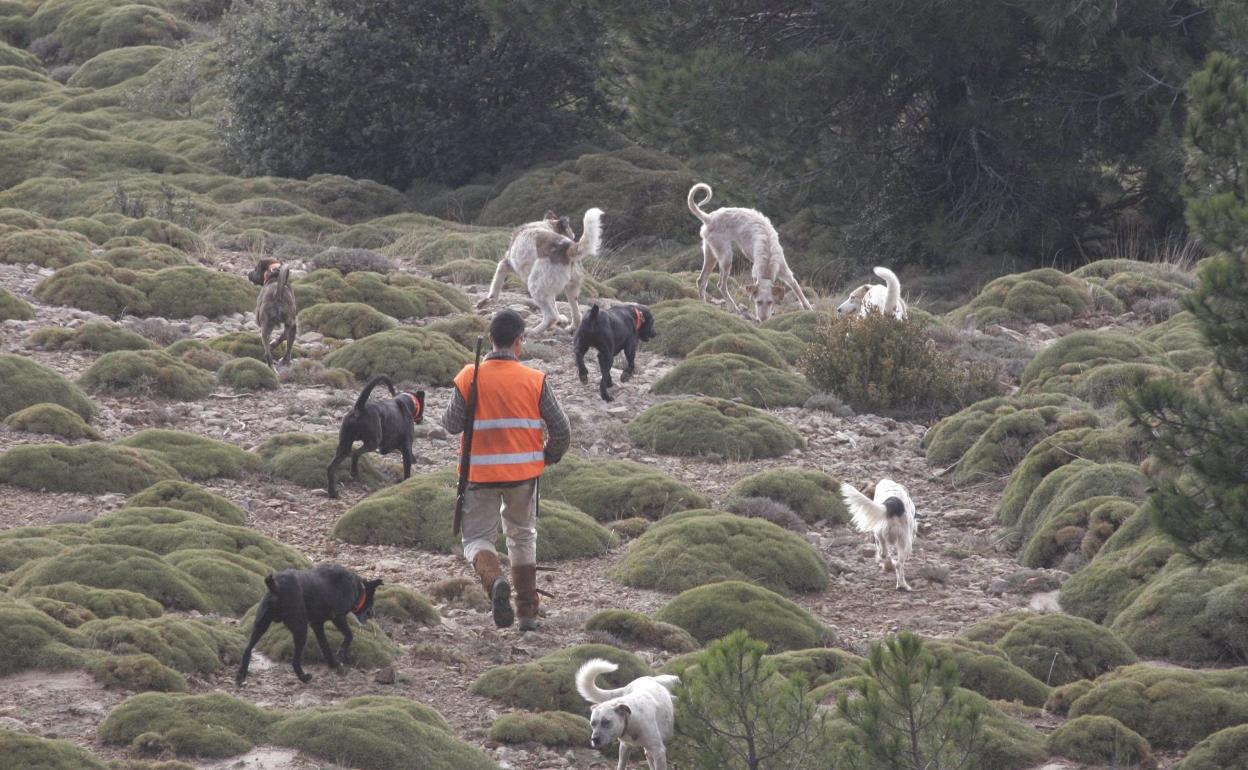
{"points": [[986, 670], [1060, 649], [1101, 740], [731, 376], [101, 602], [117, 65], [1069, 484], [1061, 697], [685, 324], [34, 640], [147, 372], [1054, 451], [96, 286], [143, 255], [92, 28], [1006, 442], [203, 725], [547, 684], [184, 644], [352, 260], [14, 308], [183, 292], [198, 354], [677, 555], [302, 458], [17, 550], [742, 345], [396, 295], [51, 419], [231, 583], [812, 494], [464, 329], [1037, 296], [699, 426], [409, 354], [141, 672], [165, 530], [242, 345], [344, 320], [617, 489], [100, 337], [370, 648], [26, 750], [635, 628], [414, 513], [195, 457], [405, 605], [649, 287], [466, 271], [711, 611], [46, 248], [803, 324], [1076, 353], [1126, 563], [946, 441], [91, 468], [555, 729], [563, 532], [183, 496], [1082, 527], [817, 667], [1224, 750], [247, 374], [115, 566], [27, 383]]}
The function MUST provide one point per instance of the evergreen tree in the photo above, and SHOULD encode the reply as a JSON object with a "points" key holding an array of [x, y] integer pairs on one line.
{"points": [[1200, 432]]}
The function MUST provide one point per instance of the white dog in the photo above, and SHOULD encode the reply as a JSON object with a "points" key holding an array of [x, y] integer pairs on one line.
{"points": [[890, 519], [547, 259], [638, 714], [754, 235], [872, 296]]}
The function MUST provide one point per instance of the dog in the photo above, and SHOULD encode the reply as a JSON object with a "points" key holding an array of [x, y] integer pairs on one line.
{"points": [[274, 306], [872, 296], [639, 714], [302, 598], [754, 234], [890, 519], [547, 258], [610, 331], [381, 426]]}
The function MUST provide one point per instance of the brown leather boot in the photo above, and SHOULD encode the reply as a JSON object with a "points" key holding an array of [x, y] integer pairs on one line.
{"points": [[525, 578], [496, 587]]}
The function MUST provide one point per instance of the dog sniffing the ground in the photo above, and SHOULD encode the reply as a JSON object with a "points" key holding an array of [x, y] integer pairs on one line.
{"points": [[890, 519], [754, 234], [302, 598], [638, 714], [547, 258], [872, 296], [381, 426], [275, 306], [609, 332]]}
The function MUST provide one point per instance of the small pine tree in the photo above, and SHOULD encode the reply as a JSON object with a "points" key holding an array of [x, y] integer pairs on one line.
{"points": [[909, 712], [735, 712], [1200, 434]]}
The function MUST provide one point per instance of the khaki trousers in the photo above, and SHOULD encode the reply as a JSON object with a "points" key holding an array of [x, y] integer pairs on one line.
{"points": [[518, 506]]}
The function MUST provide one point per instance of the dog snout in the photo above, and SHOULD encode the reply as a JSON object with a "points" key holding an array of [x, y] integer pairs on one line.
{"points": [[596, 741]]}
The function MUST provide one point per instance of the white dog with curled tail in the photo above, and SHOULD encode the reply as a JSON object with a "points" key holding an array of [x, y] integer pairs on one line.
{"points": [[890, 519], [639, 714]]}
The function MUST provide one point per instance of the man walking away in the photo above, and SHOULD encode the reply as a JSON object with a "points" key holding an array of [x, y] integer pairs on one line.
{"points": [[508, 455]]}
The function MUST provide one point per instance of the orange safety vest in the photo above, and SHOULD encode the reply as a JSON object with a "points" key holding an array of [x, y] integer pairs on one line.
{"points": [[507, 439]]}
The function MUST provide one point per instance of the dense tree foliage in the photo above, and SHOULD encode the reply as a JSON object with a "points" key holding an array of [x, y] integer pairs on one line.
{"points": [[393, 90]]}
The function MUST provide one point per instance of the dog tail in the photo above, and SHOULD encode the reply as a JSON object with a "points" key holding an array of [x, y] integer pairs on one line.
{"points": [[283, 276], [589, 671], [591, 238], [368, 391], [893, 301], [270, 583], [696, 206], [667, 680], [867, 515]]}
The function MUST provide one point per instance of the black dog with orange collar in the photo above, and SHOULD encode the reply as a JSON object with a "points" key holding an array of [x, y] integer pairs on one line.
{"points": [[379, 426], [611, 331]]}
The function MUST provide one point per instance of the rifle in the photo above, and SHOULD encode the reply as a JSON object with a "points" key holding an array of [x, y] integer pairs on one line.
{"points": [[465, 457]]}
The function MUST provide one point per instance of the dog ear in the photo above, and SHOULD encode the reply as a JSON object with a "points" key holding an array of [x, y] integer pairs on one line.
{"points": [[551, 216], [372, 585], [623, 709], [751, 289], [778, 290]]}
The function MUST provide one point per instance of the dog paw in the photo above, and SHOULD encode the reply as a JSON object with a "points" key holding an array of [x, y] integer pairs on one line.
{"points": [[483, 303], [305, 678], [626, 376], [238, 680], [584, 377]]}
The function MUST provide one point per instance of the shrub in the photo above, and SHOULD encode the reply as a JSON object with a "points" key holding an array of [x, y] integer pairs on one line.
{"points": [[302, 458], [182, 292], [34, 640], [803, 324], [1126, 563], [812, 494], [101, 602], [344, 320], [89, 468], [25, 750], [1055, 451], [416, 355], [768, 510], [1061, 697], [948, 440], [95, 286], [139, 672], [711, 611], [986, 670], [1172, 708], [1075, 482], [27, 383], [546, 684], [563, 532], [149, 256], [118, 65], [1224, 750], [556, 729], [247, 374], [1080, 528], [1101, 740], [700, 426], [52, 419], [14, 308], [466, 271], [635, 628], [147, 372], [371, 648], [1038, 296], [413, 513], [817, 667], [114, 566], [650, 286], [195, 457], [198, 354], [741, 345], [886, 366], [617, 489], [685, 324], [397, 295], [460, 593], [464, 329], [165, 530], [405, 605], [730, 376], [46, 248], [204, 725], [1078, 352], [1060, 649], [100, 337], [182, 496], [68, 615], [1010, 437], [352, 261], [701, 549]]}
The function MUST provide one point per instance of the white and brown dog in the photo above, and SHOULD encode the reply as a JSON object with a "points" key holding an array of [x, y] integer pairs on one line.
{"points": [[754, 234], [872, 296], [890, 519], [638, 714], [547, 258]]}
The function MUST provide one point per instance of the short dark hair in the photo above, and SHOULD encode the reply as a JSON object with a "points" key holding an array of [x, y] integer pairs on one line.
{"points": [[505, 328]]}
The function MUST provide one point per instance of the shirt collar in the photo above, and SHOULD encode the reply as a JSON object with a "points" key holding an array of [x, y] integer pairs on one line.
{"points": [[501, 355]]}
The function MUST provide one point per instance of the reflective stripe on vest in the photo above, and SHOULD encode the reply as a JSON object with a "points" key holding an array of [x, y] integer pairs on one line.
{"points": [[508, 438]]}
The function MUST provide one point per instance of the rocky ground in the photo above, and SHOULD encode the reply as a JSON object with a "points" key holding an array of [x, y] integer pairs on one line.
{"points": [[961, 572]]}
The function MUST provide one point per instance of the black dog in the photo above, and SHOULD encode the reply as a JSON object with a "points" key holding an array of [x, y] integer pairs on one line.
{"points": [[383, 426], [610, 331], [302, 598]]}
